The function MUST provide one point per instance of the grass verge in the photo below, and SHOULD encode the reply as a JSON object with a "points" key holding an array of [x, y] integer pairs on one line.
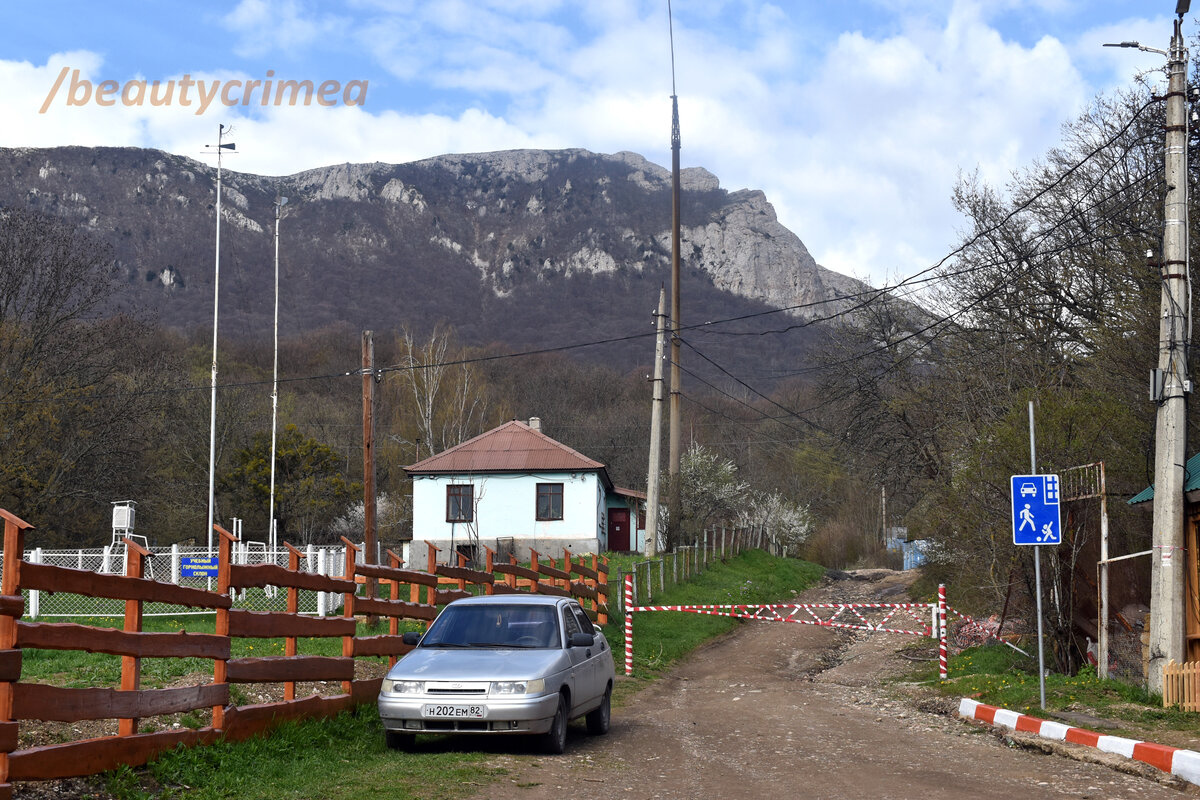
{"points": [[335, 759], [999, 676]]}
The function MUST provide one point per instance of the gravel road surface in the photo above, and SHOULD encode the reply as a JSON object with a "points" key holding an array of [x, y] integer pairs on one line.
{"points": [[778, 710]]}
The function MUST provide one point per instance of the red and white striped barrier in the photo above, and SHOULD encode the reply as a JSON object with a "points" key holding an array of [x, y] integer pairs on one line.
{"points": [[943, 654], [849, 616], [1184, 764], [791, 612], [629, 624]]}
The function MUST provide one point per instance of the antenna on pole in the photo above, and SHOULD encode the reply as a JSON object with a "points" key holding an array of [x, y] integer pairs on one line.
{"points": [[671, 36]]}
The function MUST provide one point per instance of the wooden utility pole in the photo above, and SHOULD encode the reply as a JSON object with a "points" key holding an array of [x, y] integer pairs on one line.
{"points": [[1167, 635], [656, 430], [368, 395]]}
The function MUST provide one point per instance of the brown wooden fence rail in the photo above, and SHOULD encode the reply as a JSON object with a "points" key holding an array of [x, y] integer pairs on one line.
{"points": [[129, 703]]}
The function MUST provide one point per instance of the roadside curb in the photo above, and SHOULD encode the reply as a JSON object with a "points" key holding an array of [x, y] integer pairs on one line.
{"points": [[1184, 764]]}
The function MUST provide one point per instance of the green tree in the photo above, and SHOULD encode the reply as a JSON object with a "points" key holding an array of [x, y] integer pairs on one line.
{"points": [[311, 489]]}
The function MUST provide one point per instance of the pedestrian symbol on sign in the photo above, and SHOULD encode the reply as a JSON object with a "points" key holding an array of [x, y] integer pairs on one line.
{"points": [[1026, 519]]}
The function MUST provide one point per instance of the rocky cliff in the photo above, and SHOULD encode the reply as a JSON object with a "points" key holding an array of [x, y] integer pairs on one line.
{"points": [[526, 247]]}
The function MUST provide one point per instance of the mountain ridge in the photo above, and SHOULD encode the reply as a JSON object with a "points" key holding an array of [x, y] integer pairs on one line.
{"points": [[566, 239]]}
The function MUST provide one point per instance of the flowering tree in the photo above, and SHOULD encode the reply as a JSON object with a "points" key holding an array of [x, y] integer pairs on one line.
{"points": [[784, 521], [710, 491]]}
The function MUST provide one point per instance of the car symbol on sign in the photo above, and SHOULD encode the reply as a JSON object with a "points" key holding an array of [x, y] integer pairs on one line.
{"points": [[1028, 489]]}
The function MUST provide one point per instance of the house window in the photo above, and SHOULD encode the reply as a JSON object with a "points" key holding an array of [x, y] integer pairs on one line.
{"points": [[460, 506], [549, 501]]}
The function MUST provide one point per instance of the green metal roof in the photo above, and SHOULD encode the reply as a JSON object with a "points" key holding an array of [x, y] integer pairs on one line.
{"points": [[1192, 473]]}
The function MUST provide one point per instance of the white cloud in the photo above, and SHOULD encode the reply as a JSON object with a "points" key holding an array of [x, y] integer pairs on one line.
{"points": [[264, 26]]}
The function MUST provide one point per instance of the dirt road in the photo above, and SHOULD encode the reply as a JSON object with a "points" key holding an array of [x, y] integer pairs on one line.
{"points": [[782, 710]]}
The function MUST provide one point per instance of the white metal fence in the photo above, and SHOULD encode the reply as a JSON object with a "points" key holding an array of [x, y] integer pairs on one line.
{"points": [[169, 564]]}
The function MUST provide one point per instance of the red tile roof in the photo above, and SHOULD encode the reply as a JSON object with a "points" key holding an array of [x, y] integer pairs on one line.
{"points": [[512, 447]]}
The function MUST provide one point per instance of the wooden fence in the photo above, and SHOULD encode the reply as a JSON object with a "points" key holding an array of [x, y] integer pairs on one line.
{"points": [[585, 579], [1181, 686]]}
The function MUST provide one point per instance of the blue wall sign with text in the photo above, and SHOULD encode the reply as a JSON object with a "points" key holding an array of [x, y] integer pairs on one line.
{"points": [[1035, 510], [198, 567]]}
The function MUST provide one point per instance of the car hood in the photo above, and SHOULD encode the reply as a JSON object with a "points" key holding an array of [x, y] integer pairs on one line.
{"points": [[448, 664]]}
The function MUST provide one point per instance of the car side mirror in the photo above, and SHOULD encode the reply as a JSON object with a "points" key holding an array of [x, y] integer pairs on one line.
{"points": [[411, 637], [582, 640]]}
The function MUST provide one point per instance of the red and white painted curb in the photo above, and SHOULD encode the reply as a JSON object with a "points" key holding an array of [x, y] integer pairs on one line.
{"points": [[1181, 763]]}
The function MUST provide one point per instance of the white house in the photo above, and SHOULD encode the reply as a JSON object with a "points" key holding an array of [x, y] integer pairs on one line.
{"points": [[514, 489]]}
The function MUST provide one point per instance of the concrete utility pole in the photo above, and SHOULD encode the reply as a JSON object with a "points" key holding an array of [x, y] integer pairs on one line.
{"points": [[1167, 615], [656, 430], [368, 427], [883, 515], [674, 504]]}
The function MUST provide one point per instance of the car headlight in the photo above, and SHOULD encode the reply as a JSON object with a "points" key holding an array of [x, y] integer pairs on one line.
{"points": [[519, 687], [403, 687]]}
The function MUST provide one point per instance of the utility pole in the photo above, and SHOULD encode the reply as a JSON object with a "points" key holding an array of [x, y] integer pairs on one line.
{"points": [[883, 514], [673, 501], [368, 394], [655, 430], [1167, 618]]}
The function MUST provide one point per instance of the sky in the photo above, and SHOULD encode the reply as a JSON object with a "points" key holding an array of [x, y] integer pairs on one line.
{"points": [[855, 117]]}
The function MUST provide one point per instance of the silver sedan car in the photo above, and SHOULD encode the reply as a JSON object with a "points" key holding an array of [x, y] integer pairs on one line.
{"points": [[501, 664]]}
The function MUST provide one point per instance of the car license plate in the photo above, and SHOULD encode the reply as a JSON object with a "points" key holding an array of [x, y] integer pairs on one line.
{"points": [[453, 711]]}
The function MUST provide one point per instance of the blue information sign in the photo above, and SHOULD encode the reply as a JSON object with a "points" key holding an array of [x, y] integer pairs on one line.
{"points": [[198, 567], [1035, 510]]}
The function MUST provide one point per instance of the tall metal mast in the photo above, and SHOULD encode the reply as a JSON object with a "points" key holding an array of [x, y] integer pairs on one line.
{"points": [[280, 202], [212, 424]]}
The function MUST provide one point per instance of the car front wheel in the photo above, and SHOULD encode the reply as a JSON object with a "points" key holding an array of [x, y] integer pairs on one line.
{"points": [[598, 719], [555, 739]]}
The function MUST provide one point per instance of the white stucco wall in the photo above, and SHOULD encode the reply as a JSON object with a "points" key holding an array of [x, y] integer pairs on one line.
{"points": [[506, 506]]}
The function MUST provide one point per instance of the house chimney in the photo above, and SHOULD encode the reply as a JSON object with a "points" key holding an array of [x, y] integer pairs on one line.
{"points": [[536, 423]]}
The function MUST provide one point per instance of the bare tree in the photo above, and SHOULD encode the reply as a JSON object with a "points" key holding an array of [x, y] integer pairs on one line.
{"points": [[436, 390], [71, 376]]}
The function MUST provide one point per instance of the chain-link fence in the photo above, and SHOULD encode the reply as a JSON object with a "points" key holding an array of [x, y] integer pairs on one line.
{"points": [[183, 567], [1128, 618]]}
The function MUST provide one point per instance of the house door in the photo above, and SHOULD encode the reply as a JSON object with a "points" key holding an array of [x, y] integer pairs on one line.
{"points": [[618, 529]]}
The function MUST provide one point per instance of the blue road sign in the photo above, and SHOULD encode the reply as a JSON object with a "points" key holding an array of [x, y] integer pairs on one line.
{"points": [[1035, 510], [198, 567]]}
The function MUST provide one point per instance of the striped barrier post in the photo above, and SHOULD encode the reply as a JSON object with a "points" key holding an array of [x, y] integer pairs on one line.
{"points": [[943, 664], [628, 624]]}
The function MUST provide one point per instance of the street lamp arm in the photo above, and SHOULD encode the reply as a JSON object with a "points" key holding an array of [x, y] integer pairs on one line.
{"points": [[1137, 46]]}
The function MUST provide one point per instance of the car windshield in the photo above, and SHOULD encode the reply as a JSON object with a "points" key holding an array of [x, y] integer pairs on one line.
{"points": [[494, 625]]}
